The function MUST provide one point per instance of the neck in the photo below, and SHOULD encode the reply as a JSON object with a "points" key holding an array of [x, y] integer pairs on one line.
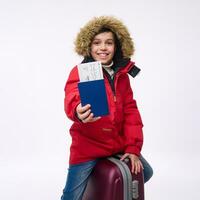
{"points": [[107, 65]]}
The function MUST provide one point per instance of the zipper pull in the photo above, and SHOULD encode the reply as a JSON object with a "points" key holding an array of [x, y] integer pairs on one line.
{"points": [[115, 99]]}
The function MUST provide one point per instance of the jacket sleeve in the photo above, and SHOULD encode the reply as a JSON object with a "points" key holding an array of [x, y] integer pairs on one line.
{"points": [[72, 98], [132, 123]]}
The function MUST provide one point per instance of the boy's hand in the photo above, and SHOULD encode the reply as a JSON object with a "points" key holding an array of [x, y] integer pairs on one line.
{"points": [[84, 114], [135, 162]]}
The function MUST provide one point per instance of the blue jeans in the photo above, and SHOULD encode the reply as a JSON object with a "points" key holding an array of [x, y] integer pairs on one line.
{"points": [[78, 176]]}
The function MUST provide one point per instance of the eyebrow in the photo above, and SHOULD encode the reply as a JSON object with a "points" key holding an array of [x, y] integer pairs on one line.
{"points": [[106, 39]]}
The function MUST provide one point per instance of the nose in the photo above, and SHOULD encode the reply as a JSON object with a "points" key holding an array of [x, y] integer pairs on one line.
{"points": [[103, 46]]}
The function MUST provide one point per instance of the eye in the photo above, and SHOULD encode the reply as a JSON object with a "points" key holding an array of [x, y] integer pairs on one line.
{"points": [[110, 42], [96, 42]]}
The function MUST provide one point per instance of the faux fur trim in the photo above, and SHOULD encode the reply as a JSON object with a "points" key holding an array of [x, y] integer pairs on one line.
{"points": [[87, 33]]}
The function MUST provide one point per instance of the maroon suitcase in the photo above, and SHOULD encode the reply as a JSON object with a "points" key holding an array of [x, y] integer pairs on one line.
{"points": [[112, 179]]}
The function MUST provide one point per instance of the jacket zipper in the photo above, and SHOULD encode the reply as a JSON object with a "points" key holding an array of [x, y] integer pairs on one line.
{"points": [[112, 85], [113, 88], [115, 98]]}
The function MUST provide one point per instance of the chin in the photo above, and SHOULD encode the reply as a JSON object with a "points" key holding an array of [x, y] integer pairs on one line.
{"points": [[105, 62]]}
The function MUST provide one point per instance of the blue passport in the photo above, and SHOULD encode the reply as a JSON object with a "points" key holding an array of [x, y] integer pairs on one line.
{"points": [[94, 93]]}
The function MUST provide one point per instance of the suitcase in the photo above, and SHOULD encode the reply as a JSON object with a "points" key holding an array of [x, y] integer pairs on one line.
{"points": [[111, 179]]}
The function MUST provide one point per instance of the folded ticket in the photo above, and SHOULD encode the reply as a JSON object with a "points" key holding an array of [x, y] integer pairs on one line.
{"points": [[90, 71]]}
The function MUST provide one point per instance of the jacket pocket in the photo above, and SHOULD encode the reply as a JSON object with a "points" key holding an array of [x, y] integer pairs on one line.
{"points": [[98, 131]]}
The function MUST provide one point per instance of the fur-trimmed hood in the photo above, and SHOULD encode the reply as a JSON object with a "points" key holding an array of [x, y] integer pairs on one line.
{"points": [[88, 32]]}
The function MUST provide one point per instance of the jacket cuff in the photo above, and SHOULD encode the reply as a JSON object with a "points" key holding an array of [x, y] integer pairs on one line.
{"points": [[133, 150]]}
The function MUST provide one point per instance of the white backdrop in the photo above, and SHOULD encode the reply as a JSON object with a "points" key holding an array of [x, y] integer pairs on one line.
{"points": [[36, 55]]}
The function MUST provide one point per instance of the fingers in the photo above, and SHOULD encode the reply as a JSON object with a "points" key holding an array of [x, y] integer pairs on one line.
{"points": [[137, 167], [95, 119], [88, 117], [136, 164], [133, 168], [91, 118], [81, 110], [85, 115], [124, 156]]}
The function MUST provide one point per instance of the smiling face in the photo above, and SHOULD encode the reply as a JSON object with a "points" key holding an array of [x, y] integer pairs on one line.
{"points": [[103, 47]]}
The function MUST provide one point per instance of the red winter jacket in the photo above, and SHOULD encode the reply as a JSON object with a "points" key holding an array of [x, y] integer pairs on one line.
{"points": [[120, 131]]}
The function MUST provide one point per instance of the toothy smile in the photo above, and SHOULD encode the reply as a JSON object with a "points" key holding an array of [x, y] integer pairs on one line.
{"points": [[103, 54]]}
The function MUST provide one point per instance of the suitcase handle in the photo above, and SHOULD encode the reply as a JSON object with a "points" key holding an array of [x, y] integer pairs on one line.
{"points": [[119, 155]]}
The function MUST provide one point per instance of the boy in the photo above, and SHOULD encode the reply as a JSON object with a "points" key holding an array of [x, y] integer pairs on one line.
{"points": [[107, 40]]}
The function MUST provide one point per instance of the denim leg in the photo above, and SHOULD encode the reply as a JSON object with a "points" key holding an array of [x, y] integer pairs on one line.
{"points": [[148, 171], [77, 178]]}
